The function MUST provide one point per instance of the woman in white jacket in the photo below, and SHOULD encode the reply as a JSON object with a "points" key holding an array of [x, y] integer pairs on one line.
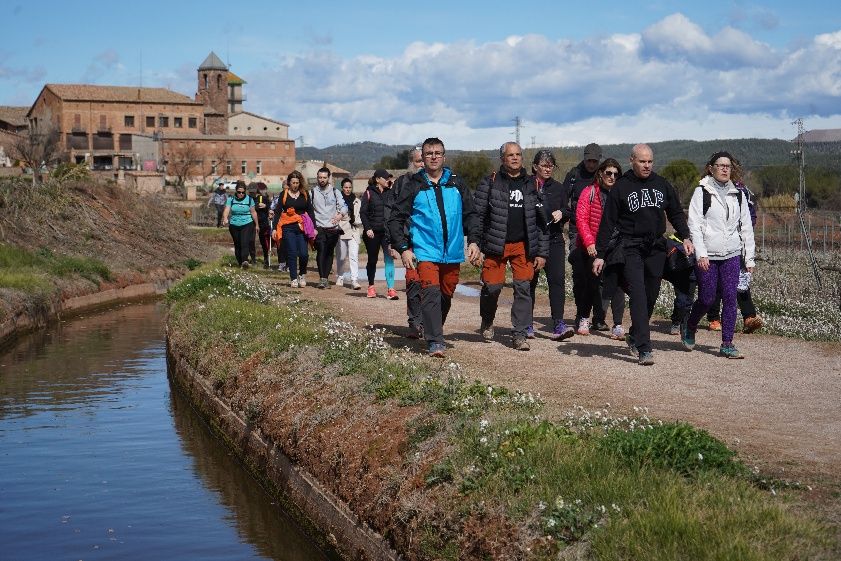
{"points": [[721, 230], [347, 256]]}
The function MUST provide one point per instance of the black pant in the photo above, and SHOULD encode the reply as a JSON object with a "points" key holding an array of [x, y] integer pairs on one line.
{"points": [[325, 248], [220, 210], [243, 236], [743, 299], [555, 278], [613, 292], [585, 286], [643, 273], [372, 246], [685, 285], [265, 232]]}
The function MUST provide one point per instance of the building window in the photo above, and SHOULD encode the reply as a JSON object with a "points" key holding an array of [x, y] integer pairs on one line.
{"points": [[128, 121], [259, 167], [163, 121], [150, 122], [244, 167], [259, 145], [228, 167], [212, 167], [192, 122], [177, 122], [272, 146], [218, 81], [205, 80], [242, 145]]}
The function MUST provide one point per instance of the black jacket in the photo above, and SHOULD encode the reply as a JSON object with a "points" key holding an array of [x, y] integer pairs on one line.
{"points": [[373, 209], [638, 208], [577, 179], [554, 198], [490, 201]]}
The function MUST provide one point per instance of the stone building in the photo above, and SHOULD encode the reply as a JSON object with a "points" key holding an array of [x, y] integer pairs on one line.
{"points": [[192, 140]]}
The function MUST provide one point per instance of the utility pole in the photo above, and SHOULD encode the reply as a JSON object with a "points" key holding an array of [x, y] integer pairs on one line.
{"points": [[518, 124], [533, 141], [800, 198]]}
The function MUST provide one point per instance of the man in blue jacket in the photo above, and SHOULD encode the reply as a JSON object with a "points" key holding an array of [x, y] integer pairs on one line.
{"points": [[440, 210]]}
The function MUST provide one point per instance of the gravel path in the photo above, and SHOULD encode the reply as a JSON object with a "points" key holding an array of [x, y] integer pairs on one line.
{"points": [[780, 407]]}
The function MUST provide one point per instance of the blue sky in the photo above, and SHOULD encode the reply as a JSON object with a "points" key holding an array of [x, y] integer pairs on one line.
{"points": [[574, 73]]}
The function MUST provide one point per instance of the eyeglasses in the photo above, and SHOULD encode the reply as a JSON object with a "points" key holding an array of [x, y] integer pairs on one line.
{"points": [[240, 192], [723, 166], [433, 155], [546, 166], [610, 173]]}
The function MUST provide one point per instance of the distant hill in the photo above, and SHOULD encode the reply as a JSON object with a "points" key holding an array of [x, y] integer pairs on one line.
{"points": [[753, 152]]}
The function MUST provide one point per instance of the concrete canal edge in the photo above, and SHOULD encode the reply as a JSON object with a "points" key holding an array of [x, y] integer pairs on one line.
{"points": [[322, 515]]}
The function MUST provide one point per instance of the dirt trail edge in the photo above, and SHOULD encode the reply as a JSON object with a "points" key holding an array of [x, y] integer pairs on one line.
{"points": [[780, 407]]}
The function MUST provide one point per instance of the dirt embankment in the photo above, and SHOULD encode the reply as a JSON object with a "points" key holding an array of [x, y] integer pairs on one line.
{"points": [[142, 241]]}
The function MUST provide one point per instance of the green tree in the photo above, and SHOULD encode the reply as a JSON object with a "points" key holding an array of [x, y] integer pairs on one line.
{"points": [[398, 161], [472, 168], [684, 176]]}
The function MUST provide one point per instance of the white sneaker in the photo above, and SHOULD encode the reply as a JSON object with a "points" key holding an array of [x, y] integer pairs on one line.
{"points": [[302, 281], [340, 281], [583, 326], [354, 284], [294, 283]]}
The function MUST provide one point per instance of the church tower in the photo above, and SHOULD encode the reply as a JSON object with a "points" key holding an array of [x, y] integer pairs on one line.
{"points": [[213, 94]]}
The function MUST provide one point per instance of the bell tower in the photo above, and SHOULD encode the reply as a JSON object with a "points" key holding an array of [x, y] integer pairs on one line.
{"points": [[213, 94]]}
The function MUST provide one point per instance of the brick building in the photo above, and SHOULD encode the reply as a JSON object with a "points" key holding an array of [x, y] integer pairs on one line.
{"points": [[192, 140]]}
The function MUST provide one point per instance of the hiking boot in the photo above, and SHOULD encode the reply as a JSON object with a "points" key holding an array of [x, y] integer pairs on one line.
{"points": [[415, 332], [687, 338], [632, 344], [520, 343], [600, 326], [355, 285], [729, 351], [294, 283], [302, 281], [245, 265], [391, 294], [530, 332], [617, 333], [583, 326], [674, 329], [752, 324], [322, 284], [436, 350], [487, 330], [372, 292], [715, 325], [646, 358], [562, 331], [265, 264]]}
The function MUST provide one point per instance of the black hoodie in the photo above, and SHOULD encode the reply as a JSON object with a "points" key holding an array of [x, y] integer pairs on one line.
{"points": [[636, 207]]}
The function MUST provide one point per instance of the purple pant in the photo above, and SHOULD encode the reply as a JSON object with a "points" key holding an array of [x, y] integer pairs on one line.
{"points": [[722, 276]]}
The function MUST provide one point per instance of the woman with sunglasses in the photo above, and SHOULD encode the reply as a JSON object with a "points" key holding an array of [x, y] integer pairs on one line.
{"points": [[241, 218], [588, 217], [292, 204]]}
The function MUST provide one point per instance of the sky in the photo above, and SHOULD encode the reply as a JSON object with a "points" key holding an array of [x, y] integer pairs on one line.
{"points": [[396, 73]]}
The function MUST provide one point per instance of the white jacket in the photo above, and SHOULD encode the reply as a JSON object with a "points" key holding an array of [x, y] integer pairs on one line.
{"points": [[725, 231], [352, 231]]}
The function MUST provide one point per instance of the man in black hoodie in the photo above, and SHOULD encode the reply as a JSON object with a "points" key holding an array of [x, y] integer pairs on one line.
{"points": [[634, 222]]}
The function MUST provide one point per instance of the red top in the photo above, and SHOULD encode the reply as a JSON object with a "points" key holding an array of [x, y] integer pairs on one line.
{"points": [[588, 216]]}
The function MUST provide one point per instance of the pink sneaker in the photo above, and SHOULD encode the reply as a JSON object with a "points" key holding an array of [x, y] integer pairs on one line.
{"points": [[391, 294], [372, 292]]}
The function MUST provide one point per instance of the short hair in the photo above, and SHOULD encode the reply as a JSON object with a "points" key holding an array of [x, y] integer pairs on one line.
{"points": [[433, 141], [324, 170], [346, 180], [610, 163], [544, 156], [509, 143], [639, 148]]}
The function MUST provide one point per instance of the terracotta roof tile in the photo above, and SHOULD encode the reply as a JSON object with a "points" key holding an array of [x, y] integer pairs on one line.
{"points": [[124, 94], [15, 116]]}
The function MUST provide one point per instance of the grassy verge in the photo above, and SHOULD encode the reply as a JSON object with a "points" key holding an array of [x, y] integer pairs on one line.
{"points": [[480, 474], [30, 271]]}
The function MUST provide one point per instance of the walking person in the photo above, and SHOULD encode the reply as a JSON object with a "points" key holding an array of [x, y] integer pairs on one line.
{"points": [[557, 213], [721, 228], [439, 208], [412, 278], [637, 208], [347, 251], [241, 218], [375, 201], [511, 227], [329, 209], [219, 199], [588, 217], [261, 206], [294, 205]]}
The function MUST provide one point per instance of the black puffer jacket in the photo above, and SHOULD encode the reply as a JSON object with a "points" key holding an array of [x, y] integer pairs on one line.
{"points": [[490, 203], [373, 209]]}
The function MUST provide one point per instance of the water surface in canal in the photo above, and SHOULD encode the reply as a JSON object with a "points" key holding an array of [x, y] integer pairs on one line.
{"points": [[101, 459]]}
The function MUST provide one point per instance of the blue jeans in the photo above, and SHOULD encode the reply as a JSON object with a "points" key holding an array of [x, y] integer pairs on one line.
{"points": [[297, 255]]}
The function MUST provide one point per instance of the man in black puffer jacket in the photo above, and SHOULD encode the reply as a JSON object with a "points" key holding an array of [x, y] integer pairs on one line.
{"points": [[511, 225]]}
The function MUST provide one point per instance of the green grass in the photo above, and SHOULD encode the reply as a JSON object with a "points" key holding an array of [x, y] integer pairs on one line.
{"points": [[30, 271], [630, 488]]}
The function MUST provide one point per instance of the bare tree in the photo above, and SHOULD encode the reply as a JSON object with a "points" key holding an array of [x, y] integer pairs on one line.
{"points": [[183, 161], [37, 147], [208, 169]]}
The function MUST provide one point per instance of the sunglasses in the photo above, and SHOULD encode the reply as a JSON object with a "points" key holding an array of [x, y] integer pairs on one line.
{"points": [[611, 173], [240, 192]]}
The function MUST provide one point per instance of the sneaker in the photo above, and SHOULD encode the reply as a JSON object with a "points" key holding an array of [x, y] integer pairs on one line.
{"points": [[436, 350], [729, 351], [646, 358], [752, 324], [340, 281], [294, 283], [302, 281], [355, 285], [322, 284], [265, 265], [583, 326], [391, 294], [245, 265], [487, 331], [632, 344], [562, 331], [530, 332], [715, 325], [687, 338], [617, 333], [372, 292], [674, 329], [282, 268], [415, 332], [600, 326], [521, 344]]}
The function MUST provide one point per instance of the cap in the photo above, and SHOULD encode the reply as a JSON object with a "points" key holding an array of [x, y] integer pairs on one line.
{"points": [[382, 173], [592, 152]]}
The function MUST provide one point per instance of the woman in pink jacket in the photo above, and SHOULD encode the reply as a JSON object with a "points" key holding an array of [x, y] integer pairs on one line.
{"points": [[588, 216]]}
